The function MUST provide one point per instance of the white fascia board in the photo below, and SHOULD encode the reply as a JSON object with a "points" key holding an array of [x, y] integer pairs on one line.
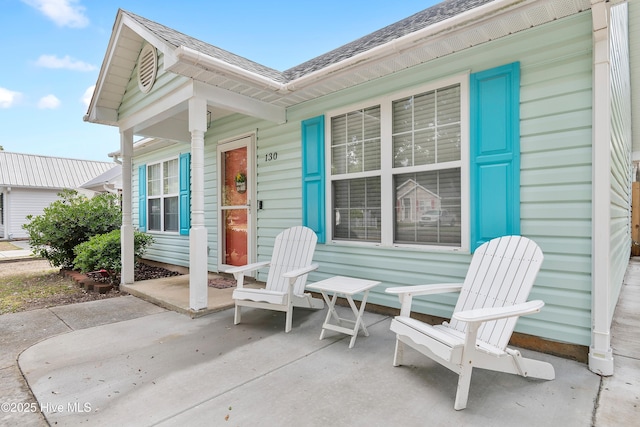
{"points": [[168, 106], [232, 101]]}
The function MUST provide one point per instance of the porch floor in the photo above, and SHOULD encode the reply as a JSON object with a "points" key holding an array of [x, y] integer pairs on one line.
{"points": [[172, 293]]}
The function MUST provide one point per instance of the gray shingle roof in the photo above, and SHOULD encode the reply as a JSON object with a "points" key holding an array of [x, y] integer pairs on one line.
{"points": [[437, 13], [35, 171], [177, 39]]}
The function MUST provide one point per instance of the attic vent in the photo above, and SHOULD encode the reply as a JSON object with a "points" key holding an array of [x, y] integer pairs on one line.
{"points": [[147, 67]]}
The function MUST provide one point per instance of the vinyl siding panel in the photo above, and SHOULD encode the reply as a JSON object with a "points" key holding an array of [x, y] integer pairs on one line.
{"points": [[634, 49], [21, 202], [556, 172], [620, 152], [555, 191], [171, 248], [134, 100]]}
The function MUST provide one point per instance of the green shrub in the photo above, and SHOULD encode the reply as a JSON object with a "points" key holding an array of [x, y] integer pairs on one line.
{"points": [[103, 252], [69, 221]]}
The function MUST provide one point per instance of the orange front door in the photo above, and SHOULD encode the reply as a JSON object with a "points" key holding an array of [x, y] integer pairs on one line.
{"points": [[235, 202]]}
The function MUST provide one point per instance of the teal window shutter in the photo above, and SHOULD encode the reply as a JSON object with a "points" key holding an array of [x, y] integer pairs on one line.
{"points": [[142, 197], [185, 193], [313, 194], [495, 153]]}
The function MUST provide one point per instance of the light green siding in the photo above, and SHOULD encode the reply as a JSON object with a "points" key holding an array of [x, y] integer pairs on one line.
{"points": [[134, 100], [167, 247], [634, 49], [555, 127], [620, 152]]}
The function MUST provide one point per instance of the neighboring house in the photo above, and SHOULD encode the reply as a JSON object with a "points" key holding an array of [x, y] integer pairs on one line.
{"points": [[517, 113], [29, 183], [107, 182], [413, 200]]}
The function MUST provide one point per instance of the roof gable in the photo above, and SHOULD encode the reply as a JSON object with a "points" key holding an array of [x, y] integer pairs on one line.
{"points": [[35, 171]]}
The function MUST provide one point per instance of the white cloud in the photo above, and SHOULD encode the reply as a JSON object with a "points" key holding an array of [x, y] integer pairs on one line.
{"points": [[8, 97], [49, 102], [67, 63], [64, 13], [88, 94]]}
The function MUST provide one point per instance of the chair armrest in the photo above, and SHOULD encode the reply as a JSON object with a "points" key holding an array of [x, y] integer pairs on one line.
{"points": [[238, 272], [495, 313], [425, 289], [406, 293], [245, 268], [294, 274]]}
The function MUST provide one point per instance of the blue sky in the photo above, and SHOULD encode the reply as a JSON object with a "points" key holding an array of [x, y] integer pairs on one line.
{"points": [[53, 50]]}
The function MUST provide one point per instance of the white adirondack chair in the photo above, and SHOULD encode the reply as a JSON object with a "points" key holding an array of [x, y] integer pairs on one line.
{"points": [[288, 270], [492, 297]]}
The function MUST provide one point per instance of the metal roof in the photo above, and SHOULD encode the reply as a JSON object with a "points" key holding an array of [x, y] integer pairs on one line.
{"points": [[35, 171], [111, 179]]}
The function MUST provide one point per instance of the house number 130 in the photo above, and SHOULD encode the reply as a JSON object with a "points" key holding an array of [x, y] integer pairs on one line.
{"points": [[270, 156]]}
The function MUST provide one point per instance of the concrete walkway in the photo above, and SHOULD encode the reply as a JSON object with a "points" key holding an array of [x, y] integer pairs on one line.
{"points": [[125, 361], [23, 251]]}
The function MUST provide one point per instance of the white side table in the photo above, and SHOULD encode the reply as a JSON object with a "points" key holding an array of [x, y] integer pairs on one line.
{"points": [[347, 286]]}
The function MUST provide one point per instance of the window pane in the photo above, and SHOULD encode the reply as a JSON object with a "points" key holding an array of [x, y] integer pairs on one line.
{"points": [[170, 172], [171, 214], [355, 141], [338, 160], [153, 180], [403, 115], [425, 111], [403, 150], [449, 143], [448, 105], [372, 155], [434, 133], [153, 211], [354, 126], [372, 122], [425, 148], [356, 209], [428, 208], [354, 157]]}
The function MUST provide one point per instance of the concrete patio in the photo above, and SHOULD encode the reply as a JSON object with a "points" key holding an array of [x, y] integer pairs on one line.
{"points": [[126, 361]]}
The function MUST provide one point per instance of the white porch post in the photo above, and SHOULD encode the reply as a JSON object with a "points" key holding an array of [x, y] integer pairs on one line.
{"points": [[600, 352], [198, 290], [126, 230]]}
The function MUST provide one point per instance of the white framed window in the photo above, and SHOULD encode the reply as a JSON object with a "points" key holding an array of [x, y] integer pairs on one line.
{"points": [[398, 168], [163, 196]]}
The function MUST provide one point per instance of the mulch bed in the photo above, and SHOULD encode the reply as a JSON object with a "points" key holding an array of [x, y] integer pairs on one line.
{"points": [[147, 272], [142, 272]]}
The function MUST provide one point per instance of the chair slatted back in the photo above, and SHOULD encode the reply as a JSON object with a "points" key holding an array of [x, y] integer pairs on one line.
{"points": [[502, 273], [293, 249]]}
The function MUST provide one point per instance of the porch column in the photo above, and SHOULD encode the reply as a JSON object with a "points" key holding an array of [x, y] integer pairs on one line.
{"points": [[126, 230], [198, 289], [600, 353]]}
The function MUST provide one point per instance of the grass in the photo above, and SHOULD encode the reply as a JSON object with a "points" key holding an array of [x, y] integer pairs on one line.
{"points": [[22, 291]]}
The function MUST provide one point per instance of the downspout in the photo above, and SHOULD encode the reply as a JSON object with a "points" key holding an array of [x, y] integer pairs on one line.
{"points": [[600, 352], [7, 214], [3, 219]]}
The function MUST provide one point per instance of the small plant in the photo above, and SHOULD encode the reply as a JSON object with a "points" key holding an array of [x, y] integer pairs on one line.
{"points": [[69, 221], [102, 252], [241, 177]]}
